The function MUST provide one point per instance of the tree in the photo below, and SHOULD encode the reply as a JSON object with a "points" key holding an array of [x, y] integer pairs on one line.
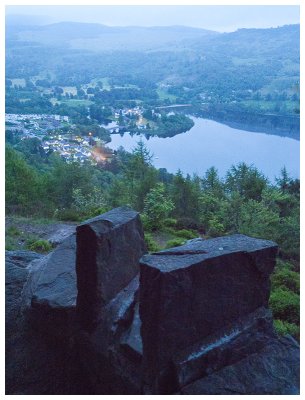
{"points": [[246, 180], [65, 178], [121, 119], [284, 180], [157, 206], [212, 184], [22, 184], [185, 195], [139, 175]]}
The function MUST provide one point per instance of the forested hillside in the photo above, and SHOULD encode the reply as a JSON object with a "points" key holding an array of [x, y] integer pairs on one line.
{"points": [[253, 70], [174, 208]]}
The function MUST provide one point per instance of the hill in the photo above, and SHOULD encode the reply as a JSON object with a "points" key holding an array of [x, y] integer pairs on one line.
{"points": [[252, 70], [97, 37]]}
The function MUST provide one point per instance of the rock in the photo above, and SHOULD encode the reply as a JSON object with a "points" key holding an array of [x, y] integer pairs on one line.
{"points": [[111, 354], [61, 234], [21, 258], [32, 365], [190, 292], [49, 296], [232, 343], [194, 320], [108, 251], [15, 277], [131, 341], [274, 370]]}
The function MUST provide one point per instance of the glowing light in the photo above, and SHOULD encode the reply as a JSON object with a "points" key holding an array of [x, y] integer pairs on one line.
{"points": [[100, 155]]}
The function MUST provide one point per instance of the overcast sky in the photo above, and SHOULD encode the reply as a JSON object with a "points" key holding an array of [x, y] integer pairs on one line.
{"points": [[219, 18]]}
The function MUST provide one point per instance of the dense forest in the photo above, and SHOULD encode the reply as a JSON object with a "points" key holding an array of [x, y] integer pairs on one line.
{"points": [[173, 208]]}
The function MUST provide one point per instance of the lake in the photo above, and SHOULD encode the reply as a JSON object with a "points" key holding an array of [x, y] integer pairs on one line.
{"points": [[211, 143]]}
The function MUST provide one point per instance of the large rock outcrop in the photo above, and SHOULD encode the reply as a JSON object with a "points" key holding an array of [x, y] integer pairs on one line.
{"points": [[108, 252], [192, 291], [35, 364], [49, 295], [100, 317]]}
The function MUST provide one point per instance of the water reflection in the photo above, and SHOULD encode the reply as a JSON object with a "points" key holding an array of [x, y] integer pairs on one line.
{"points": [[210, 143]]}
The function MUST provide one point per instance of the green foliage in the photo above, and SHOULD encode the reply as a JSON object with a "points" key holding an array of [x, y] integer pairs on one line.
{"points": [[245, 180], [188, 223], [285, 328], [170, 222], [157, 206], [174, 243], [287, 280], [285, 305], [12, 231], [257, 220], [186, 234], [185, 195], [139, 176], [151, 244], [23, 188], [65, 178], [10, 243], [171, 125], [83, 206], [216, 228], [40, 245], [89, 205], [288, 237], [211, 183]]}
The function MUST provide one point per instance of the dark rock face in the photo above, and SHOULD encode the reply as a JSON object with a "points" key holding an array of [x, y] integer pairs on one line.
{"points": [[49, 296], [58, 237], [33, 365], [194, 320], [275, 369], [227, 346], [192, 291], [111, 354], [15, 277], [108, 252]]}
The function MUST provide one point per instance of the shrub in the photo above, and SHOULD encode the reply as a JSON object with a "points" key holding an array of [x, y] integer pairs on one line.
{"points": [[170, 222], [187, 223], [186, 234], [145, 222], [151, 244], [285, 328], [174, 243], [10, 243], [287, 280], [216, 228], [68, 214], [285, 305], [89, 205], [13, 231], [40, 245], [157, 206]]}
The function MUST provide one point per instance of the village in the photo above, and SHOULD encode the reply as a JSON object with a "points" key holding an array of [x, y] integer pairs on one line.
{"points": [[57, 132]]}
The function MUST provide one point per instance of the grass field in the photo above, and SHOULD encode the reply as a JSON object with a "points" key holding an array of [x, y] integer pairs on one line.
{"points": [[163, 94], [270, 106], [76, 103], [105, 82]]}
